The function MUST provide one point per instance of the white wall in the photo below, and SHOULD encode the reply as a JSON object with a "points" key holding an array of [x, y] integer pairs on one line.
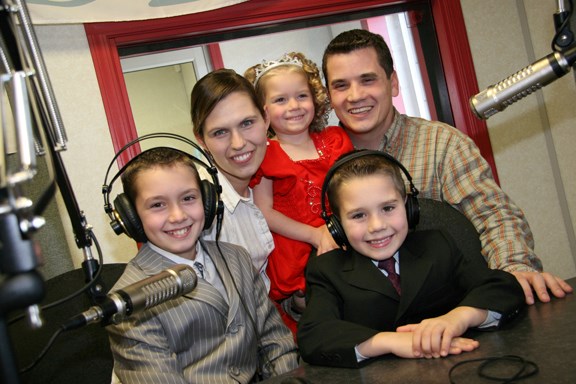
{"points": [[160, 102], [526, 142], [69, 63], [310, 44], [533, 139]]}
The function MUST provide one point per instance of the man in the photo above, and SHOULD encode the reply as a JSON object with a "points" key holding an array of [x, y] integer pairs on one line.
{"points": [[444, 163]]}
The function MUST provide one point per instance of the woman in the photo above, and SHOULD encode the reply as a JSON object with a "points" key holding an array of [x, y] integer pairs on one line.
{"points": [[231, 125]]}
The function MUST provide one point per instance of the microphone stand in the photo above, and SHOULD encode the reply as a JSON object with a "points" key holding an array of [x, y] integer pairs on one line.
{"points": [[22, 70], [524, 82], [564, 37]]}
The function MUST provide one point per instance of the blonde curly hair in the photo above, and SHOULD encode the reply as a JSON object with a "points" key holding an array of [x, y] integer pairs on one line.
{"points": [[310, 70]]}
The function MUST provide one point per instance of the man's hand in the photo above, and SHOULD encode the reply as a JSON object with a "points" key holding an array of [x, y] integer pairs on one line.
{"points": [[540, 283]]}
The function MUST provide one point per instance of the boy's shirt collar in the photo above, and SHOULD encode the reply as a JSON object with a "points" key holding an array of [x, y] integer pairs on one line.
{"points": [[180, 260], [396, 257]]}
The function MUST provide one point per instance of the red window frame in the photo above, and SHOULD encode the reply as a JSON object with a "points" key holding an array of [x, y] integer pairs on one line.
{"points": [[104, 40]]}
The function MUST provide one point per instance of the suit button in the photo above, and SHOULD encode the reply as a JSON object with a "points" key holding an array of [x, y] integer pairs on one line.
{"points": [[234, 371], [233, 328]]}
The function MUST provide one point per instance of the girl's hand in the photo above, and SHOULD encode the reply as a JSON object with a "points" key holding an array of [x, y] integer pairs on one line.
{"points": [[323, 240]]}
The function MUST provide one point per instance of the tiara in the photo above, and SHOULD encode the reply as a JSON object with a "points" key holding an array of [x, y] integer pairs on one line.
{"points": [[267, 65]]}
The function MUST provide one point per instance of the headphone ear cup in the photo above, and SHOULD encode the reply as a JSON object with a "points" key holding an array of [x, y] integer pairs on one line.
{"points": [[336, 230], [412, 210], [128, 218], [210, 201]]}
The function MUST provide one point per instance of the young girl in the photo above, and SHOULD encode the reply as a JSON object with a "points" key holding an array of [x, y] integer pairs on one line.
{"points": [[231, 125], [287, 186]]}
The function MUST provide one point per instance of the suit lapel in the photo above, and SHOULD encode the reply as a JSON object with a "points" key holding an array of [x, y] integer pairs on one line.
{"points": [[363, 274], [206, 293], [153, 263], [229, 310], [414, 268], [413, 271]]}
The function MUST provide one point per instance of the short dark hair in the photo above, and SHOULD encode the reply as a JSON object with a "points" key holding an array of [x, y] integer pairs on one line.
{"points": [[164, 157], [354, 39], [362, 166]]}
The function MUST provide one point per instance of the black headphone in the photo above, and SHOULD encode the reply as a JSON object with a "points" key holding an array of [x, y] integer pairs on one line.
{"points": [[332, 222], [123, 215]]}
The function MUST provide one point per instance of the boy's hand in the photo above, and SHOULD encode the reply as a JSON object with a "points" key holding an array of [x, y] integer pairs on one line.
{"points": [[438, 337], [401, 344], [457, 345]]}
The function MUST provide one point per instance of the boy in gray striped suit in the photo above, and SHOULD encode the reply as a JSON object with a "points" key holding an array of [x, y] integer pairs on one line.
{"points": [[226, 330]]}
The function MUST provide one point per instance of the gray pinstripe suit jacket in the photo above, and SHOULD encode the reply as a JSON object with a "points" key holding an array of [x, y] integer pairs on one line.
{"points": [[199, 337]]}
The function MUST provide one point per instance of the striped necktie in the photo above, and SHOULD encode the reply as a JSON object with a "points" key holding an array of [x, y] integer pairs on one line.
{"points": [[388, 266], [200, 268]]}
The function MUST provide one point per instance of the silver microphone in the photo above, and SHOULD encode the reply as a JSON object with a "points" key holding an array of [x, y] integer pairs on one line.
{"points": [[497, 97], [135, 298]]}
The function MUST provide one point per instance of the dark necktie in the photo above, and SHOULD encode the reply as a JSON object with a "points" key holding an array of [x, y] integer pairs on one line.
{"points": [[388, 266]]}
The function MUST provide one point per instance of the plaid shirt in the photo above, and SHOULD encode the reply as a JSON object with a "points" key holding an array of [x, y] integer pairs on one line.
{"points": [[446, 165]]}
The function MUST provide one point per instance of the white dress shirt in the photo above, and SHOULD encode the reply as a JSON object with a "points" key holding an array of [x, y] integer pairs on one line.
{"points": [[243, 224]]}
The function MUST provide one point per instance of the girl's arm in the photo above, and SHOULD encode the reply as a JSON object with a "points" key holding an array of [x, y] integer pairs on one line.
{"points": [[318, 237]]}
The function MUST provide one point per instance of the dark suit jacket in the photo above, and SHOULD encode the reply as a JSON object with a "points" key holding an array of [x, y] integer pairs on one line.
{"points": [[350, 300]]}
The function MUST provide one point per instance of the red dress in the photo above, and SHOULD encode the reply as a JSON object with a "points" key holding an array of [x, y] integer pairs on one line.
{"points": [[297, 187]]}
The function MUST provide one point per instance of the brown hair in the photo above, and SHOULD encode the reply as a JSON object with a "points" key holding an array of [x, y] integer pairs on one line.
{"points": [[361, 166], [163, 157], [213, 88]]}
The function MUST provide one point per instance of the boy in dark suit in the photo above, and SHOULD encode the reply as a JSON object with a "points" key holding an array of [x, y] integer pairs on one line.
{"points": [[354, 312]]}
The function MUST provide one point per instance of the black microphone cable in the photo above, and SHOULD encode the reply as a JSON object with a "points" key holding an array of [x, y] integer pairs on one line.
{"points": [[44, 351], [268, 364], [219, 220], [62, 327], [525, 368], [77, 292]]}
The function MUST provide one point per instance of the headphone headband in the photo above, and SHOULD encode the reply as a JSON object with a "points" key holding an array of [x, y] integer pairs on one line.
{"points": [[125, 216], [210, 167], [354, 155], [332, 222]]}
